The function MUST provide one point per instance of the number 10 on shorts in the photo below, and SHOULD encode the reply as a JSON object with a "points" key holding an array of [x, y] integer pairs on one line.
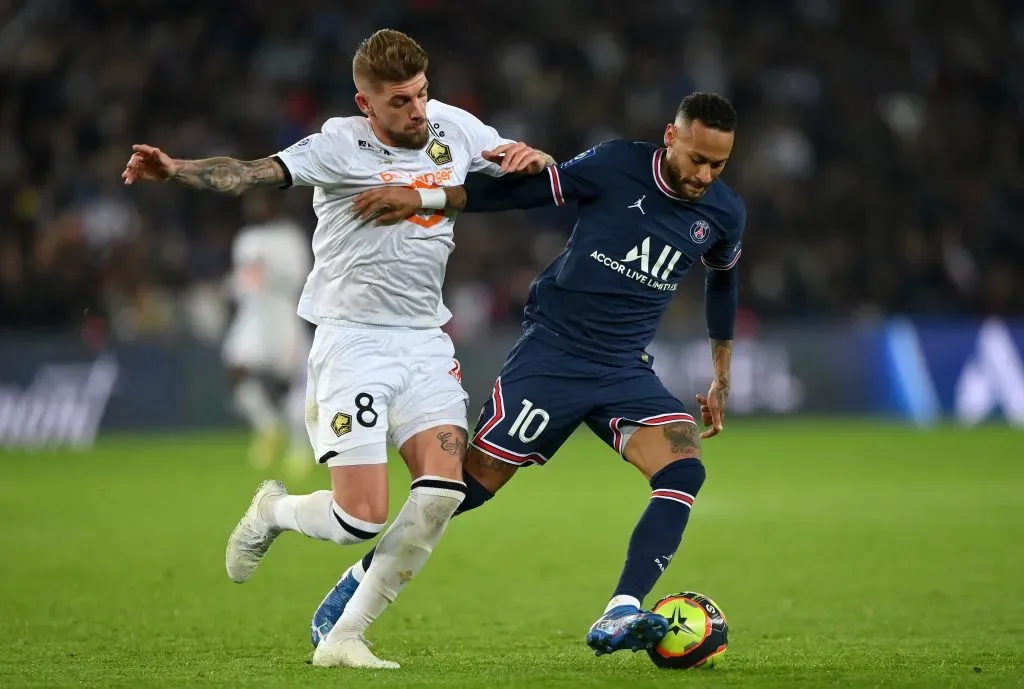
{"points": [[530, 423]]}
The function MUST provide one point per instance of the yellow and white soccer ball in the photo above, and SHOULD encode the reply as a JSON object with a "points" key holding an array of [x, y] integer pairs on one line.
{"points": [[698, 632]]}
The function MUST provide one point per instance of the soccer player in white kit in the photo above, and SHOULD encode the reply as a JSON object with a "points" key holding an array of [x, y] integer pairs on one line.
{"points": [[267, 344], [380, 368]]}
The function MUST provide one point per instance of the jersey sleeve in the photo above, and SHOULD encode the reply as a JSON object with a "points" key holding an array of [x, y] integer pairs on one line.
{"points": [[725, 253], [721, 284], [580, 178], [316, 161]]}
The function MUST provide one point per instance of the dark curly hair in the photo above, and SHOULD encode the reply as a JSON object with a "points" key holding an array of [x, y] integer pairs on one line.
{"points": [[710, 109]]}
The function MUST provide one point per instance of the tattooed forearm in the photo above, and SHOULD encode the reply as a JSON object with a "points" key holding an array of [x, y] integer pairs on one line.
{"points": [[453, 443], [721, 357], [685, 439], [229, 176]]}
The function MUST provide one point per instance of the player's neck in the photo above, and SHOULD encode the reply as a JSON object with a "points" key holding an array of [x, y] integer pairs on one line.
{"points": [[666, 174]]}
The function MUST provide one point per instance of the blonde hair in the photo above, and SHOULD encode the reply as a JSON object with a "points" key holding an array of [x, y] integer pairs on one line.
{"points": [[388, 55]]}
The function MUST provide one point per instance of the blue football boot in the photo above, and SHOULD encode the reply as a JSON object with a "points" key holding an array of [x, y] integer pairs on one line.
{"points": [[626, 627], [331, 607]]}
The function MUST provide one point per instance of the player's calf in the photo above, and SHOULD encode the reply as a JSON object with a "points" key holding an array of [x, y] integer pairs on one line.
{"points": [[355, 511], [672, 466], [406, 545], [483, 476], [668, 457]]}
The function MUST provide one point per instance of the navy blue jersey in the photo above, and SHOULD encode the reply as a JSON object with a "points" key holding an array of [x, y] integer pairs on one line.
{"points": [[634, 240]]}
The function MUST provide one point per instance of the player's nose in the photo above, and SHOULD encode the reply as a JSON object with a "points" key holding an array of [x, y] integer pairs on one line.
{"points": [[704, 174]]}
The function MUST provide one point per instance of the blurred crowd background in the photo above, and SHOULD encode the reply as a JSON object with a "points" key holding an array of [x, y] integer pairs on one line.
{"points": [[879, 149]]}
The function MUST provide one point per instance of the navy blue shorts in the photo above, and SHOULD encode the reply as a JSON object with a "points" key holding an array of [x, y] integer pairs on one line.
{"points": [[543, 393]]}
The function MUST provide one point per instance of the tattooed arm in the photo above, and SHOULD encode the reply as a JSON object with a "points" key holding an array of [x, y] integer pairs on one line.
{"points": [[224, 175], [227, 175], [721, 357], [712, 407]]}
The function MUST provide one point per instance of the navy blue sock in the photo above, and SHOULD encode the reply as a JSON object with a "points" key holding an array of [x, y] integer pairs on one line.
{"points": [[660, 530], [476, 495]]}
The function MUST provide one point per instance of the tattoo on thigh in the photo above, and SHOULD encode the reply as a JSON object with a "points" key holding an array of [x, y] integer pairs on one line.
{"points": [[453, 443], [685, 439]]}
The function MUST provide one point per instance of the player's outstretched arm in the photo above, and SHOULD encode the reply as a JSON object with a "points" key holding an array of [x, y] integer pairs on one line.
{"points": [[221, 174], [518, 157], [479, 194], [540, 183], [392, 204]]}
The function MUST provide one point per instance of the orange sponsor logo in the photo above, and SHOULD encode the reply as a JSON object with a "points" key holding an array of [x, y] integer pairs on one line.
{"points": [[432, 179], [427, 180]]}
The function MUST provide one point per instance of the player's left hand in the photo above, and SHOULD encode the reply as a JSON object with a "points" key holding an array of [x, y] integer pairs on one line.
{"points": [[712, 409], [389, 204], [518, 157]]}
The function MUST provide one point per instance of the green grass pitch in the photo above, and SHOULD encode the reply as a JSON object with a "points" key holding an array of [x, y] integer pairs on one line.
{"points": [[844, 554]]}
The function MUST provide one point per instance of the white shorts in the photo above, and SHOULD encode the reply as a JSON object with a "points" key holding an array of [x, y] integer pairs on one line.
{"points": [[367, 386]]}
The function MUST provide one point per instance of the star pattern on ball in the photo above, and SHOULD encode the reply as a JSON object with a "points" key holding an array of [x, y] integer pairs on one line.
{"points": [[677, 623]]}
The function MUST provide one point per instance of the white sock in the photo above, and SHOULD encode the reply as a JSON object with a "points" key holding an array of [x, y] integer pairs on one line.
{"points": [[253, 402], [317, 515], [357, 571], [402, 551], [616, 601]]}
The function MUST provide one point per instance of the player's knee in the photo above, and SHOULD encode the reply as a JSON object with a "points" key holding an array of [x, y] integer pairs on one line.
{"points": [[452, 442], [358, 523], [490, 473], [373, 511], [361, 490], [681, 480], [652, 448], [367, 507], [476, 493], [437, 451]]}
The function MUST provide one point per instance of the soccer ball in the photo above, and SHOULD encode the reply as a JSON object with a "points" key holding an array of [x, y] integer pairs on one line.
{"points": [[698, 632]]}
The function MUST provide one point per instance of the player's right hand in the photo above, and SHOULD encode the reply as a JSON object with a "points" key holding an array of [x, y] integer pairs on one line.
{"points": [[712, 412], [517, 157], [148, 163], [389, 204]]}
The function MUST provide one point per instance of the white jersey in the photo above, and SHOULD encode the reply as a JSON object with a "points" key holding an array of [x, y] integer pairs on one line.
{"points": [[367, 273]]}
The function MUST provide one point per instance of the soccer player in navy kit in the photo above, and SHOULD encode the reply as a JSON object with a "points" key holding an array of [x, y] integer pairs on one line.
{"points": [[646, 215]]}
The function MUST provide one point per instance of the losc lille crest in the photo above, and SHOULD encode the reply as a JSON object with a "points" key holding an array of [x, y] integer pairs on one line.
{"points": [[341, 424], [440, 153]]}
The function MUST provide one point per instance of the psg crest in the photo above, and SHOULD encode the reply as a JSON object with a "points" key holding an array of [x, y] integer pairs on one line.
{"points": [[700, 231]]}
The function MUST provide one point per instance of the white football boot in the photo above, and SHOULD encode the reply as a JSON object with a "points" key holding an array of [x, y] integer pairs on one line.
{"points": [[349, 651], [252, 537]]}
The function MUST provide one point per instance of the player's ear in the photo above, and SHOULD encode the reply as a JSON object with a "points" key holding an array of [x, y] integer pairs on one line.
{"points": [[670, 134], [363, 104]]}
